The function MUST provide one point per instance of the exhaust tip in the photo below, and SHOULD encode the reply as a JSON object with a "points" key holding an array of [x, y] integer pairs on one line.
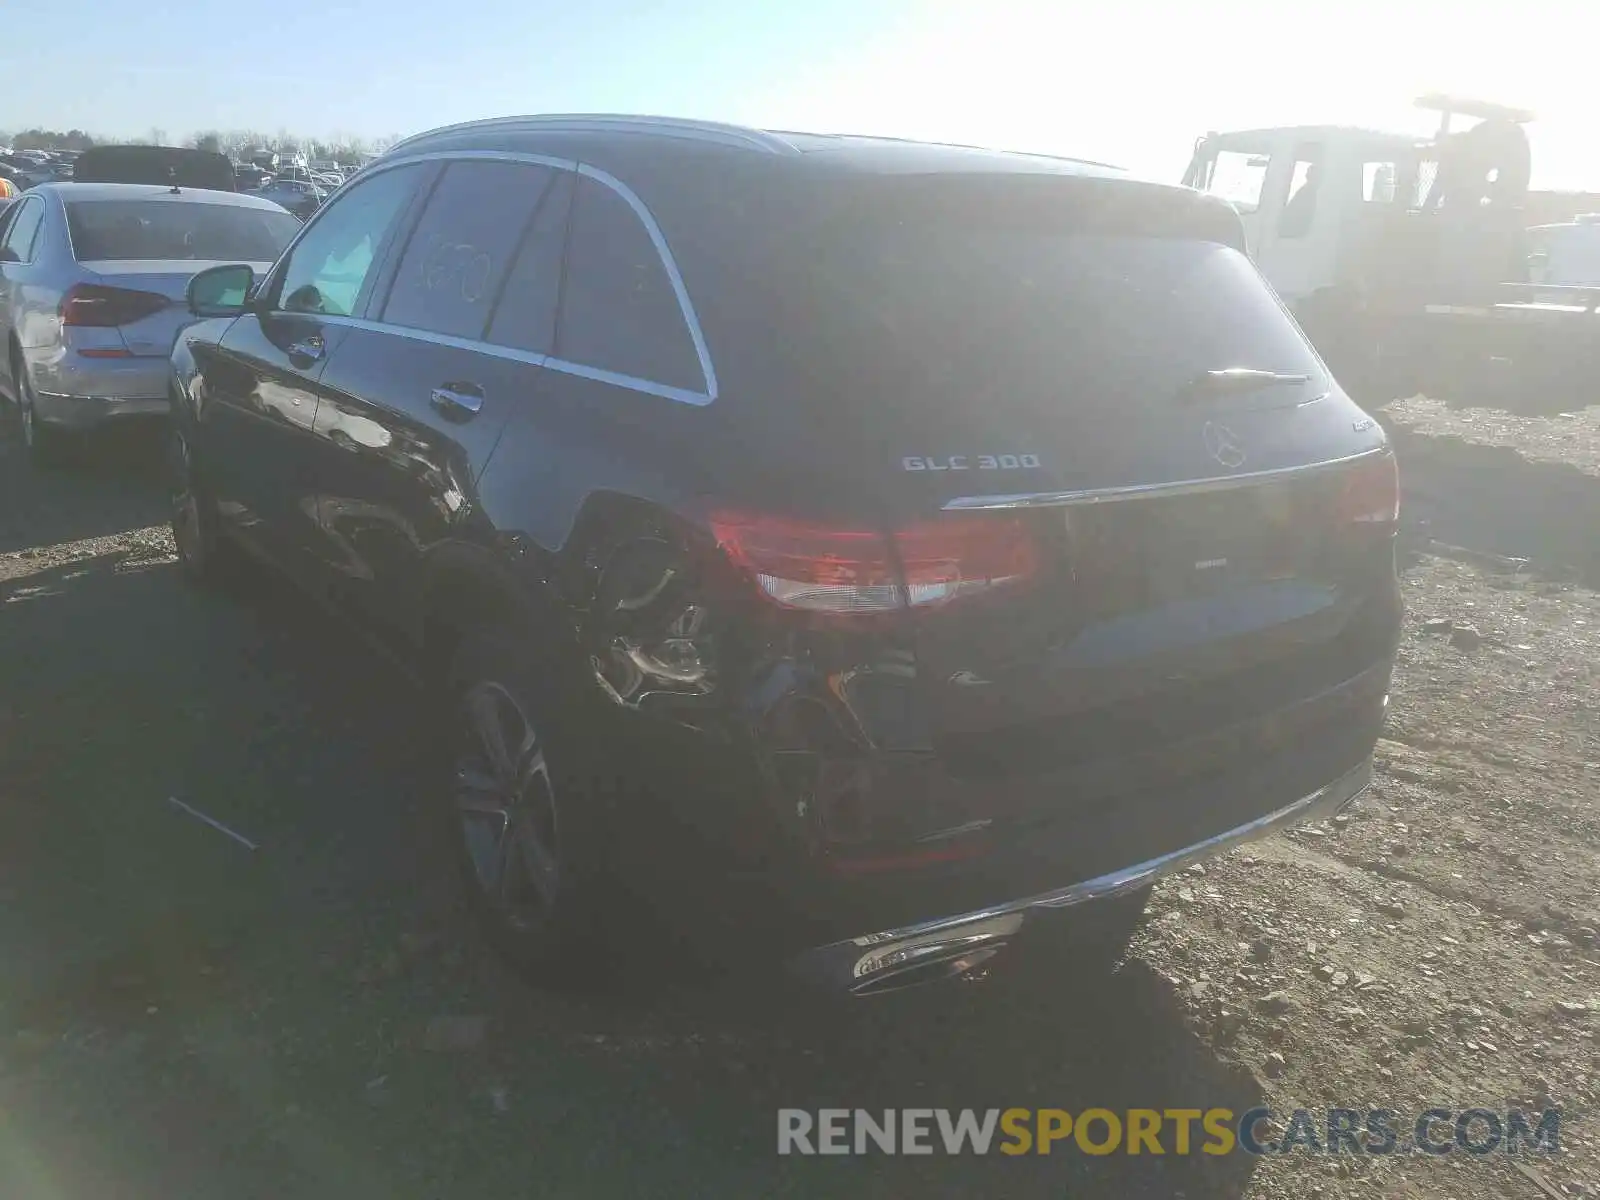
{"points": [[933, 970]]}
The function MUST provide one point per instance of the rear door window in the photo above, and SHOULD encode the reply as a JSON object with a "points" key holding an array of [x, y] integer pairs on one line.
{"points": [[619, 310], [461, 250], [24, 230], [525, 317]]}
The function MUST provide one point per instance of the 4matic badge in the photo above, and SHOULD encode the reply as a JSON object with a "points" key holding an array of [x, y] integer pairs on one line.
{"points": [[971, 462]]}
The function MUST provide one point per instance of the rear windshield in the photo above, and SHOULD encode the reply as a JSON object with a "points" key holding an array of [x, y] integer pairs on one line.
{"points": [[162, 229], [1029, 294], [979, 315]]}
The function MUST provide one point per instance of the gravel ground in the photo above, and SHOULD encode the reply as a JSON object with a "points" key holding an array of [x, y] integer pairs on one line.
{"points": [[184, 1016]]}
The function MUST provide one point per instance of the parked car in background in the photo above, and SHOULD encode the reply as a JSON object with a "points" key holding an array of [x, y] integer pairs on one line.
{"points": [[297, 174], [861, 548], [302, 199], [247, 177], [1566, 254], [174, 165], [92, 280], [25, 171]]}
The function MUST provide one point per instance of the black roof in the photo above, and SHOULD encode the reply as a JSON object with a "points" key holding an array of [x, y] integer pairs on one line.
{"points": [[608, 141], [711, 183]]}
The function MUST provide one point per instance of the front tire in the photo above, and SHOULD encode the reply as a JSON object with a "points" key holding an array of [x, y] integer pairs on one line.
{"points": [[205, 556], [529, 802]]}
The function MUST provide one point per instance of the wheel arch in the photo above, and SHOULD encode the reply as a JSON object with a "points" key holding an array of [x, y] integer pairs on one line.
{"points": [[516, 581]]}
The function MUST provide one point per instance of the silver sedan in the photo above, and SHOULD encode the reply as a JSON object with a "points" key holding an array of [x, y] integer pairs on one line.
{"points": [[92, 282]]}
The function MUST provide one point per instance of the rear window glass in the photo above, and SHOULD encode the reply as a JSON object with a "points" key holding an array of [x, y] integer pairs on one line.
{"points": [[1037, 307], [462, 247], [160, 229]]}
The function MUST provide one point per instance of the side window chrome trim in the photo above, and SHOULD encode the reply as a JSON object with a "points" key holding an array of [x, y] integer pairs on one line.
{"points": [[657, 239], [632, 382], [648, 387], [439, 339]]}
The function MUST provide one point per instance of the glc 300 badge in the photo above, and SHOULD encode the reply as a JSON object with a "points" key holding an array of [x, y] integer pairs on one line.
{"points": [[971, 462]]}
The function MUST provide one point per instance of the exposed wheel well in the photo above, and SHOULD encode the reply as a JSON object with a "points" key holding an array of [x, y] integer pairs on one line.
{"points": [[469, 592]]}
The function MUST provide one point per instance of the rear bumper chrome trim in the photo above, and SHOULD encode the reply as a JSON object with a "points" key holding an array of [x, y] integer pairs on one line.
{"points": [[1185, 487], [873, 962]]}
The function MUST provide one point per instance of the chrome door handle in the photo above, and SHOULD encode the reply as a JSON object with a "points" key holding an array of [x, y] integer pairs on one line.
{"points": [[458, 401], [311, 348]]}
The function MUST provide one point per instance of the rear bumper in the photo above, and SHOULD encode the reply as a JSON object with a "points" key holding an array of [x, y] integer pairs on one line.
{"points": [[87, 412], [886, 958], [76, 392]]}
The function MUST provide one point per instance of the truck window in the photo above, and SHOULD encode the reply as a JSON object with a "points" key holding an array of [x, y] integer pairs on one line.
{"points": [[1378, 180], [1305, 184], [1238, 177]]}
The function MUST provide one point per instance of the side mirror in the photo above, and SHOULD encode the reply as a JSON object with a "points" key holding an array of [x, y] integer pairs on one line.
{"points": [[221, 291]]}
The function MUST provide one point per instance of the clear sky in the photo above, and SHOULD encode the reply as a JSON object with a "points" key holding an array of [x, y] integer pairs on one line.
{"points": [[1131, 82]]}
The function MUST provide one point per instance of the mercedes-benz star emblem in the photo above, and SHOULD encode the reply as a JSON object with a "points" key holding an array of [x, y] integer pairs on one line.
{"points": [[1223, 445]]}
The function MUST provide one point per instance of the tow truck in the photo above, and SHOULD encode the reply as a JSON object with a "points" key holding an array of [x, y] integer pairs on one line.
{"points": [[1408, 261]]}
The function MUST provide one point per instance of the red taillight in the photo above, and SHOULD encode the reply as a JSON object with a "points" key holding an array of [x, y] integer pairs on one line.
{"points": [[855, 572], [959, 556], [1369, 492], [92, 305]]}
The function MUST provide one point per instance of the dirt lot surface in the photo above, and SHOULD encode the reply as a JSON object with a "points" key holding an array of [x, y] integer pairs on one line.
{"points": [[184, 1016]]}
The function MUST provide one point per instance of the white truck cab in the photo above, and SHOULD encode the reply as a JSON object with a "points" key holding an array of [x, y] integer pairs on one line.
{"points": [[1408, 261], [1311, 196], [1298, 190]]}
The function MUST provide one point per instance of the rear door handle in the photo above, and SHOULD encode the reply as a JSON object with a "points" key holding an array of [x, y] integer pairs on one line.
{"points": [[458, 401], [309, 348]]}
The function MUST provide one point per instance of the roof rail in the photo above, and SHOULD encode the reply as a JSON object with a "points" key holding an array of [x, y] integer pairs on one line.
{"points": [[709, 131]]}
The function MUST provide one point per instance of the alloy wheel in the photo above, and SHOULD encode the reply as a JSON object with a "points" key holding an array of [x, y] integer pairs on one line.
{"points": [[505, 801]]}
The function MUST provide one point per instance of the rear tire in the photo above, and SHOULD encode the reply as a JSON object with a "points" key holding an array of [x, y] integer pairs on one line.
{"points": [[44, 444], [530, 800]]}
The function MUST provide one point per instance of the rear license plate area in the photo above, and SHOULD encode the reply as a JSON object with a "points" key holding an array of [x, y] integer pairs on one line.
{"points": [[1179, 547]]}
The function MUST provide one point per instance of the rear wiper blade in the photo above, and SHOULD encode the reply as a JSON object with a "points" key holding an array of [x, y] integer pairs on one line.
{"points": [[1230, 380]]}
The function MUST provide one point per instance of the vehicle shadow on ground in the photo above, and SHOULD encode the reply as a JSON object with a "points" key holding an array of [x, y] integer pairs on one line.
{"points": [[195, 1017], [104, 484], [1492, 499]]}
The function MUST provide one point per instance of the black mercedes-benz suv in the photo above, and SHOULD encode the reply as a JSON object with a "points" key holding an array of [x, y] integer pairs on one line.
{"points": [[859, 548]]}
